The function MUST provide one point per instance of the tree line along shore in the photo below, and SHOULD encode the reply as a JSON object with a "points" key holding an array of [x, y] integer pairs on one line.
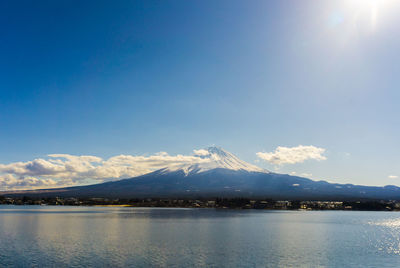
{"points": [[234, 203]]}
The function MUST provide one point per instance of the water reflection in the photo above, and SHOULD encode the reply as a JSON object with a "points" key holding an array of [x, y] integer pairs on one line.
{"points": [[136, 237]]}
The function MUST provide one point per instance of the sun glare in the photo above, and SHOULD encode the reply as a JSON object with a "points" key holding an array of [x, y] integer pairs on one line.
{"points": [[368, 13]]}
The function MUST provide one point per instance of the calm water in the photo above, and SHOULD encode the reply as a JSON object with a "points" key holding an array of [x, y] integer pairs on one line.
{"points": [[118, 237]]}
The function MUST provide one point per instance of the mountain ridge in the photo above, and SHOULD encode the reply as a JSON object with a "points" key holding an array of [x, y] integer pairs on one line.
{"points": [[221, 174]]}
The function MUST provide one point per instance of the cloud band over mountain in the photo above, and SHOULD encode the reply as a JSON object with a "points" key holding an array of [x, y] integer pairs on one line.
{"points": [[64, 169], [60, 170]]}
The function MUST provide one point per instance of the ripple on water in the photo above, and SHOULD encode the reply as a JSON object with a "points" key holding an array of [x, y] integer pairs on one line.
{"points": [[99, 237], [391, 223], [388, 237]]}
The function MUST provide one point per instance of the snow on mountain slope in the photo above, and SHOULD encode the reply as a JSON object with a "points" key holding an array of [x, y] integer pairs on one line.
{"points": [[212, 158]]}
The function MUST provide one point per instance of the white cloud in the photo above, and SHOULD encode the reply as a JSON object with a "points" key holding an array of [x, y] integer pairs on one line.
{"points": [[286, 155], [10, 182], [67, 170], [201, 152], [393, 177]]}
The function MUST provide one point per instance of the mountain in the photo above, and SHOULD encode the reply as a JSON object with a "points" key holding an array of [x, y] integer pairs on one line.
{"points": [[214, 158], [222, 174]]}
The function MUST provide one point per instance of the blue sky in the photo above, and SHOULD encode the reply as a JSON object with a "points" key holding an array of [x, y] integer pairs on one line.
{"points": [[139, 77]]}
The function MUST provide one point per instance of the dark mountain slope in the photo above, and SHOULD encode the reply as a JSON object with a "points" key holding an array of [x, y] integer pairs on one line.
{"points": [[225, 183]]}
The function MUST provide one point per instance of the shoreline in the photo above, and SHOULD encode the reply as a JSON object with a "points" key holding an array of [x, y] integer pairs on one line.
{"points": [[219, 203]]}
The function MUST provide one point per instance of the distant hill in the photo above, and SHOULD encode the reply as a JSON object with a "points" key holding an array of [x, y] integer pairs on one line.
{"points": [[222, 175]]}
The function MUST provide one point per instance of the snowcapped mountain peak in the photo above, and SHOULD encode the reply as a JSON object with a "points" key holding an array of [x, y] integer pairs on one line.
{"points": [[219, 151], [215, 157]]}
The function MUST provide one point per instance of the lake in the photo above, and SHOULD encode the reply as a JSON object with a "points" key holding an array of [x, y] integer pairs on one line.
{"points": [[43, 236]]}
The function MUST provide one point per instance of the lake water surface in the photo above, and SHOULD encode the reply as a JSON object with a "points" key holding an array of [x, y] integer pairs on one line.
{"points": [[39, 236]]}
